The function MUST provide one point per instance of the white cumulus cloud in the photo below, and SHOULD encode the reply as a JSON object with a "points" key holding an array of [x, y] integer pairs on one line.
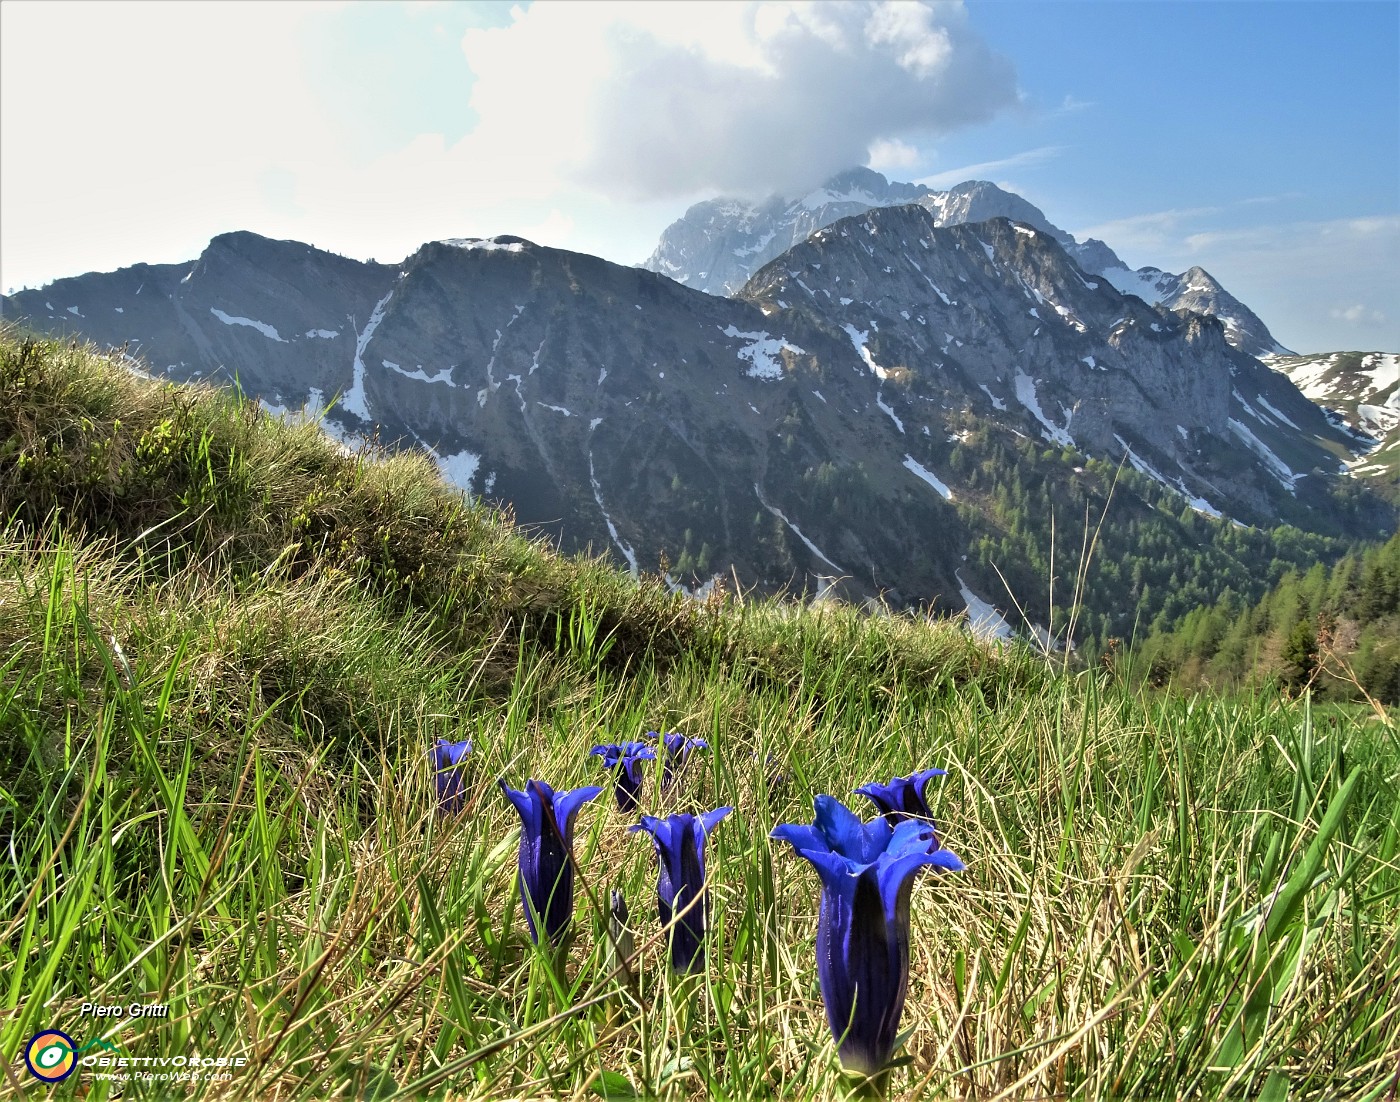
{"points": [[891, 154], [645, 101]]}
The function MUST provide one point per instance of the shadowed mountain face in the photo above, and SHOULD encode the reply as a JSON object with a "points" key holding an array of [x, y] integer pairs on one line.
{"points": [[997, 315], [720, 243], [822, 430]]}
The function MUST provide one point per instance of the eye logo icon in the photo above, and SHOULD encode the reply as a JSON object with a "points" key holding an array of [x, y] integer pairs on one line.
{"points": [[51, 1056]]}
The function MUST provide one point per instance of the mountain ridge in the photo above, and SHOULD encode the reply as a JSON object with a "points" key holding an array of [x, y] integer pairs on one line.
{"points": [[718, 244], [616, 409]]}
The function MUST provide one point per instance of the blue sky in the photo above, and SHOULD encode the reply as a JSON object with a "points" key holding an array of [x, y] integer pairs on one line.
{"points": [[1258, 140]]}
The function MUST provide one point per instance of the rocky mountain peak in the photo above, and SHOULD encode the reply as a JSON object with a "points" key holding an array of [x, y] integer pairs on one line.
{"points": [[979, 200], [718, 245]]}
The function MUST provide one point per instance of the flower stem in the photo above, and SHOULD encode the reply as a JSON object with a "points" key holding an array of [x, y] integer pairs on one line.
{"points": [[862, 1087]]}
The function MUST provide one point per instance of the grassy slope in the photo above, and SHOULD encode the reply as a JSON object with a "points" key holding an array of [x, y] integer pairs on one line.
{"points": [[228, 647]]}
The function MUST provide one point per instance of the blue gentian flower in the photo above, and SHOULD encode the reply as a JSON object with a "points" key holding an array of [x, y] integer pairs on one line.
{"points": [[867, 872], [678, 750], [627, 781], [448, 759], [546, 848], [680, 887], [903, 797]]}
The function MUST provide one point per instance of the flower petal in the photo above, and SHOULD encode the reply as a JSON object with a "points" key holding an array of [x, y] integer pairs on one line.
{"points": [[527, 805], [660, 829], [841, 826], [567, 804], [801, 837], [711, 819]]}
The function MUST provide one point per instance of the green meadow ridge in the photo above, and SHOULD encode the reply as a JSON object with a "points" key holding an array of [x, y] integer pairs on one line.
{"points": [[228, 646]]}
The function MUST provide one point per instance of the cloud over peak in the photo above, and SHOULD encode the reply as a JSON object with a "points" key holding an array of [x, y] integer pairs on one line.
{"points": [[646, 101]]}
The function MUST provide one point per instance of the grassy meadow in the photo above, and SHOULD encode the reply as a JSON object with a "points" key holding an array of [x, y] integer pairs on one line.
{"points": [[227, 648]]}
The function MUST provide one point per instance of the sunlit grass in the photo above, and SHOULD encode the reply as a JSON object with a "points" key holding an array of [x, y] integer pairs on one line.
{"points": [[216, 793]]}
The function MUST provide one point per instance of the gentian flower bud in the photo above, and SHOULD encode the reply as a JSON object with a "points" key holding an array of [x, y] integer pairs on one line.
{"points": [[448, 760], [680, 887], [627, 780], [903, 797], [546, 854], [678, 750]]}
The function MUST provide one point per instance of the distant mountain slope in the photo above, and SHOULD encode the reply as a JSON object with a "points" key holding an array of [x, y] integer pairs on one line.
{"points": [[1362, 391], [718, 244], [894, 409], [1317, 627], [1195, 289], [998, 316]]}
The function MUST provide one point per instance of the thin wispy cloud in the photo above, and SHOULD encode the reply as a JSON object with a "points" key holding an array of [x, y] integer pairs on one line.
{"points": [[1359, 314], [1071, 103], [951, 176]]}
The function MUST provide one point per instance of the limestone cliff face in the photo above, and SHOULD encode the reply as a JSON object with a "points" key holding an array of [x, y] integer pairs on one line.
{"points": [[997, 317]]}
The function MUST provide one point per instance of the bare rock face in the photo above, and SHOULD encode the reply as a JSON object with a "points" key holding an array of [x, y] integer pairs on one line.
{"points": [[997, 316], [718, 244]]}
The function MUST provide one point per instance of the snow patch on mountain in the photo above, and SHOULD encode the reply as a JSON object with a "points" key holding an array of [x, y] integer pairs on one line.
{"points": [[763, 352], [983, 619], [310, 410], [1152, 285], [1276, 466], [444, 376], [1142, 466], [261, 326], [888, 410], [1276, 414], [618, 542], [796, 531], [758, 246], [859, 337], [1026, 395], [928, 476], [354, 400], [459, 468], [480, 244]]}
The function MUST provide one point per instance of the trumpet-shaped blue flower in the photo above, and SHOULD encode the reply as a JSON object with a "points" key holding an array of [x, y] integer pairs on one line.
{"points": [[448, 759], [678, 750], [627, 780], [680, 887], [867, 872], [546, 848], [904, 797]]}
